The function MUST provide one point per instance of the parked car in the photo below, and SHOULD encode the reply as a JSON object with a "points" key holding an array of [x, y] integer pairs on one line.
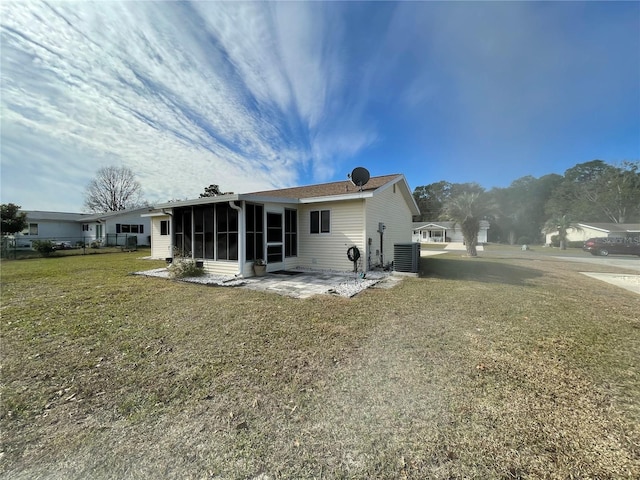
{"points": [[62, 245], [614, 245]]}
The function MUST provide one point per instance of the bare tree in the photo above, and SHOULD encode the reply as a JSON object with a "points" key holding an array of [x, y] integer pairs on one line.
{"points": [[113, 189]]}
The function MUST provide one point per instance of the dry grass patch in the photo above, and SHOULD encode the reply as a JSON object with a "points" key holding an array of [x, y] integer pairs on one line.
{"points": [[484, 368]]}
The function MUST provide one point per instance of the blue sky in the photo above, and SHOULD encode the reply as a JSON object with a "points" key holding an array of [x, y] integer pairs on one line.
{"points": [[254, 96]]}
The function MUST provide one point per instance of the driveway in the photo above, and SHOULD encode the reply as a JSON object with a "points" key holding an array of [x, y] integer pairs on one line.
{"points": [[629, 282]]}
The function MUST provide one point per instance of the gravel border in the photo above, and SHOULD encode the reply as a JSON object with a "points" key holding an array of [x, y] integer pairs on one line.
{"points": [[348, 285]]}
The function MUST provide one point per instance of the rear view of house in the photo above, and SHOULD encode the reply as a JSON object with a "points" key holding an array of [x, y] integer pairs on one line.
{"points": [[309, 227]]}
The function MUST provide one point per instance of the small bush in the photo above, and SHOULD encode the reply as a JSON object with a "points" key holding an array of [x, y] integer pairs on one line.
{"points": [[43, 247], [184, 269], [524, 240]]}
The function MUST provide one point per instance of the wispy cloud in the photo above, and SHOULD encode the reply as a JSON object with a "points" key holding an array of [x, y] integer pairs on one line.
{"points": [[243, 95], [258, 95]]}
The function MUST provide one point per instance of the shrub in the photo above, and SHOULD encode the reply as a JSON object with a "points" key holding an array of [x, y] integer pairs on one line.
{"points": [[524, 240], [43, 247], [184, 269]]}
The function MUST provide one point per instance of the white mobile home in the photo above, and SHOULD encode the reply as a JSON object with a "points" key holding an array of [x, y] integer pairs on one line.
{"points": [[445, 232], [112, 228], [583, 231], [309, 227]]}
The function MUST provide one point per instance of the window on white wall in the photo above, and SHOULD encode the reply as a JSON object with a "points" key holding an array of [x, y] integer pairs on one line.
{"points": [[320, 221], [125, 228], [33, 229], [164, 227]]}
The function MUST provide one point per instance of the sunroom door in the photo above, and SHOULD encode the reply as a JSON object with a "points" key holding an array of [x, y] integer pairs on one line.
{"points": [[275, 244]]}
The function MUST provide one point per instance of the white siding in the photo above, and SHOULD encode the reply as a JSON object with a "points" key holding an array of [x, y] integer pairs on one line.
{"points": [[128, 219], [389, 207], [328, 251], [575, 235], [221, 267], [161, 245]]}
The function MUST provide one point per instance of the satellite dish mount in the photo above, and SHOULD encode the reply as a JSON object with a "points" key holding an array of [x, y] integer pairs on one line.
{"points": [[359, 177]]}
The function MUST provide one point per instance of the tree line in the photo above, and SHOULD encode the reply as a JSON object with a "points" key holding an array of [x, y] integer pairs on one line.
{"points": [[593, 191]]}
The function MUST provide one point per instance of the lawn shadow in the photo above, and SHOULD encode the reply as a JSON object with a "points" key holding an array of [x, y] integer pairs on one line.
{"points": [[476, 269]]}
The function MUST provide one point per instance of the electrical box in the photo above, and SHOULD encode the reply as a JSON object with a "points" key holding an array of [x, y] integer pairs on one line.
{"points": [[381, 227]]}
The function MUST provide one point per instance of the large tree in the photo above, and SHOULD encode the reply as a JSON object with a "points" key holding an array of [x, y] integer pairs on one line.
{"points": [[521, 208], [467, 209], [432, 198], [13, 220], [596, 191], [113, 189]]}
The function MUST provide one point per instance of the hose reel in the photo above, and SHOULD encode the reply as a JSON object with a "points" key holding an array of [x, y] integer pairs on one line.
{"points": [[353, 254]]}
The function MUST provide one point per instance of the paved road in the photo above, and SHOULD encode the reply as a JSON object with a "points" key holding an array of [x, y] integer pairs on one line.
{"points": [[620, 261]]}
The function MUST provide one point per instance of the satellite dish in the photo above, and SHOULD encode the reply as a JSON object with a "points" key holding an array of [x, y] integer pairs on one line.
{"points": [[359, 176]]}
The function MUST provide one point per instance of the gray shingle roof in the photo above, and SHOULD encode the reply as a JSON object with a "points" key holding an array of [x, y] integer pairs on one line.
{"points": [[327, 189]]}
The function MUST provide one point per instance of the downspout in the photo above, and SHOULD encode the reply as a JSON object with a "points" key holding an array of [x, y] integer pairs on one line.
{"points": [[241, 238], [171, 230]]}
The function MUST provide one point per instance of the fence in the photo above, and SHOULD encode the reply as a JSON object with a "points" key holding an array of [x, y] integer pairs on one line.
{"points": [[11, 245]]}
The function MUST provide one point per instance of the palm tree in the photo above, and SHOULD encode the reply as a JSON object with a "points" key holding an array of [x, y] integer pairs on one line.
{"points": [[561, 224], [467, 209]]}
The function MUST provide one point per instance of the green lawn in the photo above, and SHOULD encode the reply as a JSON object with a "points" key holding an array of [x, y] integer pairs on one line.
{"points": [[491, 367]]}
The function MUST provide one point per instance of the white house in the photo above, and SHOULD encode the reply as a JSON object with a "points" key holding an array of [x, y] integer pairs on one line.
{"points": [[583, 231], [448, 232], [309, 227], [112, 228]]}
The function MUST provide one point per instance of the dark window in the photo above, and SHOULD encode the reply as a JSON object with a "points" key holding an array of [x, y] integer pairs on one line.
{"points": [[315, 221], [274, 227], [125, 228], [227, 232], [254, 232], [274, 253], [164, 227], [208, 232], [203, 232], [325, 221], [320, 221], [85, 227], [198, 232], [290, 233], [182, 233]]}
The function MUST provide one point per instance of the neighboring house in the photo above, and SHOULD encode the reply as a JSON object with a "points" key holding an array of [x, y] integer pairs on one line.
{"points": [[308, 227], [584, 231], [113, 228], [110, 228], [450, 232], [55, 226]]}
